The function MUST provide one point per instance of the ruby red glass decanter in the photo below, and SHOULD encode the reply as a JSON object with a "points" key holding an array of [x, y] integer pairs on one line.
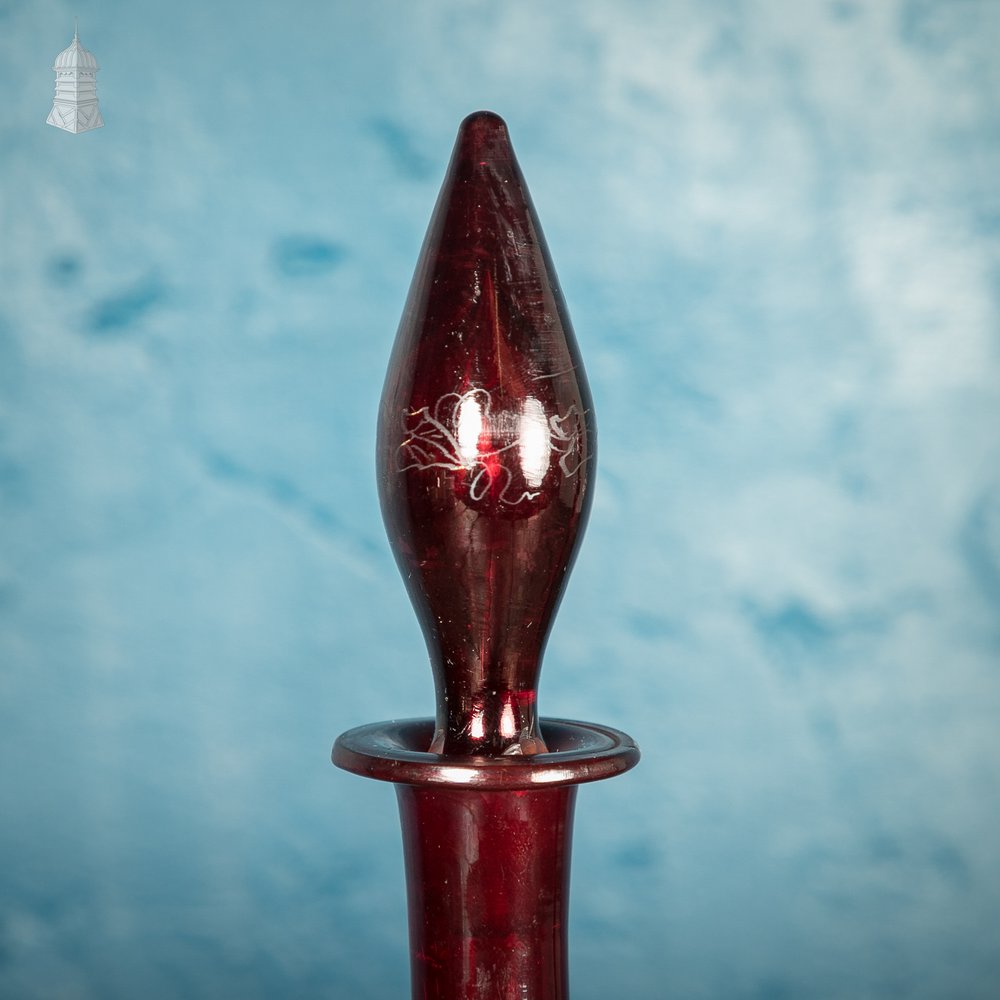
{"points": [[486, 453]]}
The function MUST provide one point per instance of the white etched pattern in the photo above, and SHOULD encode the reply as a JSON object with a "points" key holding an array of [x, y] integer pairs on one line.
{"points": [[458, 434]]}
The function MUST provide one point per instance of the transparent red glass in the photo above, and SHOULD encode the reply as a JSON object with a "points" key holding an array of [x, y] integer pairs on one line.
{"points": [[485, 458]]}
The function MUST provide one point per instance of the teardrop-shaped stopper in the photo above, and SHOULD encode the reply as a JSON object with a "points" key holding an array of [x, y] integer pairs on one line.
{"points": [[486, 447]]}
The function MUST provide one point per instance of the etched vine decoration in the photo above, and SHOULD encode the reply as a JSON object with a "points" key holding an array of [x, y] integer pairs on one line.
{"points": [[503, 456]]}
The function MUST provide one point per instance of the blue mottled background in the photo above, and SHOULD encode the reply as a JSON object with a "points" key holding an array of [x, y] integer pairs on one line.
{"points": [[778, 229]]}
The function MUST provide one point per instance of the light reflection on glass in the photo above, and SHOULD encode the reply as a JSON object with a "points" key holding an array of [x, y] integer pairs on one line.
{"points": [[508, 724], [470, 427], [534, 443], [477, 725]]}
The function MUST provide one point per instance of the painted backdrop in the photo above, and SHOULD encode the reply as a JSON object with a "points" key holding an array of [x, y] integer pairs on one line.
{"points": [[778, 230]]}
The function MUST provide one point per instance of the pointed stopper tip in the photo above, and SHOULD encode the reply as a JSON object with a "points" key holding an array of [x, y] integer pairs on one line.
{"points": [[483, 136], [484, 120]]}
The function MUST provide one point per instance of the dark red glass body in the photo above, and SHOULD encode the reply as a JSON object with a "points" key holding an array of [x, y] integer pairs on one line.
{"points": [[486, 448], [487, 848], [488, 891], [486, 453]]}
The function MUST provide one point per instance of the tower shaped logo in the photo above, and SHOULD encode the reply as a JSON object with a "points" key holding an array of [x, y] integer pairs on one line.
{"points": [[75, 106]]}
